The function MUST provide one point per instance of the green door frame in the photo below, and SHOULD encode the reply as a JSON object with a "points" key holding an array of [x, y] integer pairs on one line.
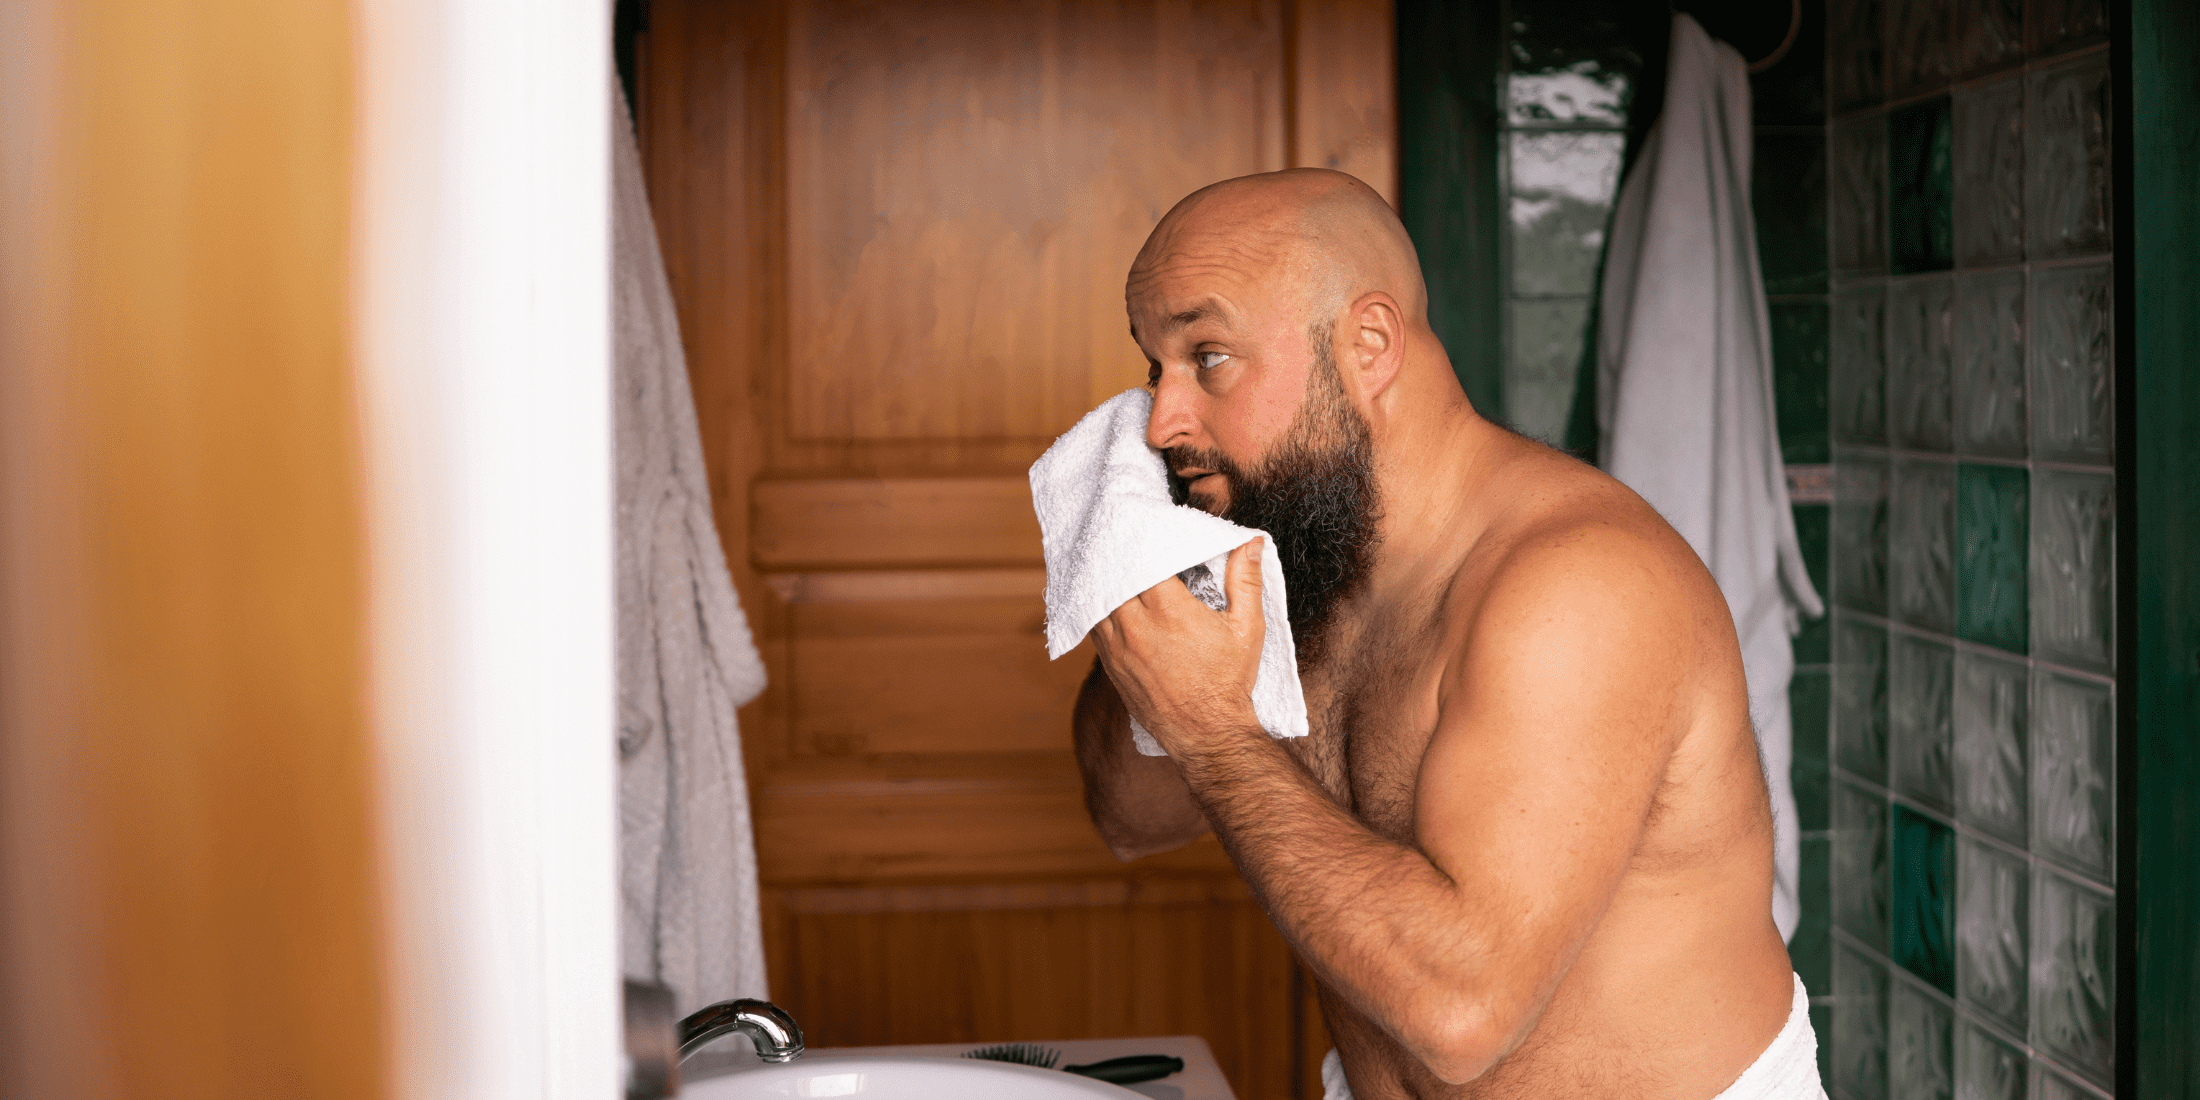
{"points": [[2157, 154]]}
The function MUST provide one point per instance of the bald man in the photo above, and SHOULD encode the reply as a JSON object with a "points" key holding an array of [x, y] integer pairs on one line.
{"points": [[1526, 849]]}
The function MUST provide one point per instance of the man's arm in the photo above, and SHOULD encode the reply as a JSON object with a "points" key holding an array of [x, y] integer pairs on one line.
{"points": [[1554, 729], [1139, 803]]}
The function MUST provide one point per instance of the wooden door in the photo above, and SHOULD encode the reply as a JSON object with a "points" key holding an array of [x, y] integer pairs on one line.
{"points": [[898, 234]]}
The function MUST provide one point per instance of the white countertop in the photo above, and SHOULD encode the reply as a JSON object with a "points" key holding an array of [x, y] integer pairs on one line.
{"points": [[1201, 1079]]}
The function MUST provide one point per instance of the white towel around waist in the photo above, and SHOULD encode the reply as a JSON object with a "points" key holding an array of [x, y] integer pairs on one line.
{"points": [[1110, 532], [1787, 1070]]}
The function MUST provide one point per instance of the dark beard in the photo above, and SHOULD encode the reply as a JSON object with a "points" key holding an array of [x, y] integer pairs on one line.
{"points": [[1314, 494]]}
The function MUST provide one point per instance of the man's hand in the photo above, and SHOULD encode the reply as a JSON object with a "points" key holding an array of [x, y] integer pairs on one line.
{"points": [[1185, 670]]}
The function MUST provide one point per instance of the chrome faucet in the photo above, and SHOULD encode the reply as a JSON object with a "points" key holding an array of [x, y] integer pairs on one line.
{"points": [[768, 1027]]}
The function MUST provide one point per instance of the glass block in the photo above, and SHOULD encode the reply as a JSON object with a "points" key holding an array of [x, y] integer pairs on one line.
{"points": [[1921, 517], [1810, 710], [1919, 1061], [1992, 899], [1562, 185], [2058, 25], [1811, 951], [2054, 1086], [1860, 533], [1921, 188], [1800, 376], [1920, 674], [1814, 531], [1917, 47], [1985, 35], [1576, 62], [2073, 364], [1821, 1027], [1986, 1067], [1859, 1025], [1859, 361], [1857, 202], [1989, 173], [1860, 698], [1789, 186], [1860, 864], [1991, 706], [1855, 66], [1989, 364], [1548, 339], [2074, 568], [1922, 905], [1920, 389], [2066, 174], [2074, 974], [2074, 772], [1991, 536]]}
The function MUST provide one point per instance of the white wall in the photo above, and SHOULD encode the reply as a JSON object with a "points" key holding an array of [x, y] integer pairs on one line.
{"points": [[481, 319]]}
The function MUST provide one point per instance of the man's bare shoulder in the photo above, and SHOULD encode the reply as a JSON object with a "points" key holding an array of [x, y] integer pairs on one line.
{"points": [[1556, 516], [1574, 554]]}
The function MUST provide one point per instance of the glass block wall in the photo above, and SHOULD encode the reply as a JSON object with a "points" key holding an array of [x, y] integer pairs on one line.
{"points": [[1570, 77], [1972, 756]]}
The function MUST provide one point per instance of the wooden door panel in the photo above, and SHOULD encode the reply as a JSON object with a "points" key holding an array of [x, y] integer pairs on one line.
{"points": [[897, 235], [968, 184], [876, 523]]}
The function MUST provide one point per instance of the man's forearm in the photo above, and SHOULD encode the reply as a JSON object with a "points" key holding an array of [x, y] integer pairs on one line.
{"points": [[1139, 803], [1376, 920]]}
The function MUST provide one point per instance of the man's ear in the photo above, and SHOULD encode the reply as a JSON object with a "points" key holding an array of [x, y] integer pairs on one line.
{"points": [[1374, 345]]}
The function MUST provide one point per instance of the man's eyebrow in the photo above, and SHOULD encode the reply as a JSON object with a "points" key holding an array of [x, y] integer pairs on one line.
{"points": [[1188, 317]]}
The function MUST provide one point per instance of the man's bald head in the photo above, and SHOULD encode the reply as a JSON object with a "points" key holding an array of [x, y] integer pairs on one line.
{"points": [[1323, 233]]}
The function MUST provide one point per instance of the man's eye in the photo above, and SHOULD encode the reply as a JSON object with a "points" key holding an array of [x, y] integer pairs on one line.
{"points": [[1209, 360]]}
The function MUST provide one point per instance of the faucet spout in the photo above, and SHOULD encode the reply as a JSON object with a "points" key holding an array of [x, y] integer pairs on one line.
{"points": [[768, 1027]]}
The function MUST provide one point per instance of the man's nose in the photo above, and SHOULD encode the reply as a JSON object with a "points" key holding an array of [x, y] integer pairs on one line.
{"points": [[1174, 418]]}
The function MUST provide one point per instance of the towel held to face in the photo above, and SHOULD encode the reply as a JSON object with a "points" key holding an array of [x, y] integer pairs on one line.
{"points": [[1110, 532]]}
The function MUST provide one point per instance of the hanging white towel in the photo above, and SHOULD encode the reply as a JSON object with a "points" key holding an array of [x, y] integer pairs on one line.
{"points": [[1110, 532], [688, 910], [1684, 387]]}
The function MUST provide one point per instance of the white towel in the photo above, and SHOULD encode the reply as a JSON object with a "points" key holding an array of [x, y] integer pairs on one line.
{"points": [[687, 862], [1110, 532], [1684, 388], [1787, 1069]]}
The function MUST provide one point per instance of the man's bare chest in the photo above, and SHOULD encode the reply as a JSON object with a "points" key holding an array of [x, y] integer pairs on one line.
{"points": [[1370, 717]]}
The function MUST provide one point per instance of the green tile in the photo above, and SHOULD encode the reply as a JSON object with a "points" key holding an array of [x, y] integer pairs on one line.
{"points": [[1811, 951], [1920, 188], [1992, 513], [1923, 902], [1790, 197], [1800, 343], [1810, 708], [1814, 530]]}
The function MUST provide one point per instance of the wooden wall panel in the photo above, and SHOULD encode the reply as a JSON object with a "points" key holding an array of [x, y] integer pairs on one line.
{"points": [[188, 880], [1345, 90], [882, 523]]}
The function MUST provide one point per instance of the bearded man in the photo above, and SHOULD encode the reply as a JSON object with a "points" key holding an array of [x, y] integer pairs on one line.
{"points": [[1526, 848]]}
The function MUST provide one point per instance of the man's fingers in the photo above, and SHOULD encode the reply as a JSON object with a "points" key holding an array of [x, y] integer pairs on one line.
{"points": [[1244, 581]]}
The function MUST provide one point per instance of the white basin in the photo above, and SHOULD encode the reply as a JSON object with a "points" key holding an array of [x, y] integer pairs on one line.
{"points": [[904, 1078]]}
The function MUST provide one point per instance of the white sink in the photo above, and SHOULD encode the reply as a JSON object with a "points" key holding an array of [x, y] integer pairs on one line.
{"points": [[904, 1078]]}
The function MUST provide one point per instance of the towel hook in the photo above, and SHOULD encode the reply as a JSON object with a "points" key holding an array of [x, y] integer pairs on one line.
{"points": [[1795, 26]]}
